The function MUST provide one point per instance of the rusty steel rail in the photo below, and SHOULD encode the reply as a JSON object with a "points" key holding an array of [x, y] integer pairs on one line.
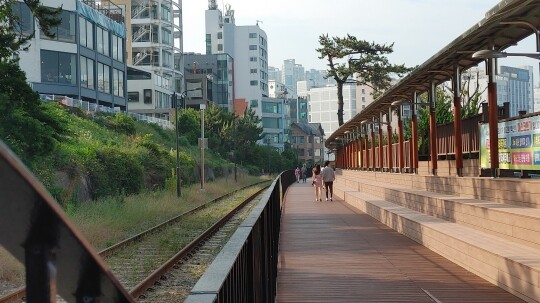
{"points": [[246, 268], [20, 293], [147, 283]]}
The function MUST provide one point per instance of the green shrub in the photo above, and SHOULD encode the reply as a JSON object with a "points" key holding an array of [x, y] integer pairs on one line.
{"points": [[114, 172]]}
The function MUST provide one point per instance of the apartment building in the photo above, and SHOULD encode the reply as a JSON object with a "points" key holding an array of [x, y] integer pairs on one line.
{"points": [[154, 32], [248, 47], [86, 58], [308, 141]]}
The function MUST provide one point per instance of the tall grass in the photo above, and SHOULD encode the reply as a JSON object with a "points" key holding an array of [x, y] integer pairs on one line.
{"points": [[108, 221], [111, 220]]}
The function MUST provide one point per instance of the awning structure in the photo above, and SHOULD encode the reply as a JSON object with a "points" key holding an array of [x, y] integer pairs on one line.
{"points": [[504, 25]]}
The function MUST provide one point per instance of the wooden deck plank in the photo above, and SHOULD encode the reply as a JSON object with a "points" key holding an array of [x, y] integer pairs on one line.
{"points": [[330, 253]]}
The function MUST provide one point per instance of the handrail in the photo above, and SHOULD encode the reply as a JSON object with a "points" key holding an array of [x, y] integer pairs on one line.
{"points": [[37, 232], [246, 268], [93, 107]]}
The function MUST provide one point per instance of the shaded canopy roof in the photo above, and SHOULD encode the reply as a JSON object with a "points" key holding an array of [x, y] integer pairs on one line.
{"points": [[491, 32]]}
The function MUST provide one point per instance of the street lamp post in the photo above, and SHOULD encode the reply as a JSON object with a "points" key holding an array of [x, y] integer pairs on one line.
{"points": [[177, 131], [178, 188], [202, 144]]}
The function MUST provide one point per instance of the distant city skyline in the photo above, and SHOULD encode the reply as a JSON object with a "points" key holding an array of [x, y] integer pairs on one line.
{"points": [[293, 27]]}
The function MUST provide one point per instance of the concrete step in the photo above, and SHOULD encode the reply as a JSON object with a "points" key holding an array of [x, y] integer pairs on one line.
{"points": [[512, 266], [515, 223]]}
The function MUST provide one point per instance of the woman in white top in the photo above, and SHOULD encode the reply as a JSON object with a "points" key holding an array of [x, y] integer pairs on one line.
{"points": [[317, 182]]}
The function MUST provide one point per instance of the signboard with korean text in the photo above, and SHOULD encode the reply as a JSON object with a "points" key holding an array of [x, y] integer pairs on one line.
{"points": [[518, 141]]}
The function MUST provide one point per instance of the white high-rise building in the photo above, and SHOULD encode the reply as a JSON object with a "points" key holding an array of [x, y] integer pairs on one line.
{"points": [[274, 73], [292, 73], [153, 48], [247, 45], [323, 106]]}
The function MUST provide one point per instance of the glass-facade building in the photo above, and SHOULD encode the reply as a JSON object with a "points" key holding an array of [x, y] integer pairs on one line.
{"points": [[86, 58]]}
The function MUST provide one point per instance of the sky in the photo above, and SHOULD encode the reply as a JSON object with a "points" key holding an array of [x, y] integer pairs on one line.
{"points": [[418, 28]]}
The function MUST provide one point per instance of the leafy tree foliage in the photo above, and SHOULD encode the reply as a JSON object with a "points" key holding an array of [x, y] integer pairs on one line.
{"points": [[189, 125], [29, 127], [365, 59], [11, 37]]}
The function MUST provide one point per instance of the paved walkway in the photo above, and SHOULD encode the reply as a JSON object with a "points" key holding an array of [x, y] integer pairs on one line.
{"points": [[330, 253]]}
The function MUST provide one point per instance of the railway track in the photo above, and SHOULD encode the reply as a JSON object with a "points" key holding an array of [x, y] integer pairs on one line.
{"points": [[143, 251]]}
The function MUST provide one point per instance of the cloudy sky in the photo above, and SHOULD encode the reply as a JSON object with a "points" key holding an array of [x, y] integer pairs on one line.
{"points": [[418, 28]]}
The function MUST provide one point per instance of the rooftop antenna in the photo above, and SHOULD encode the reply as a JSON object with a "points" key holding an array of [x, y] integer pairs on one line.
{"points": [[258, 22], [212, 5]]}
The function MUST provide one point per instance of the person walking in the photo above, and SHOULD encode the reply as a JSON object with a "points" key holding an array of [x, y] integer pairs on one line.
{"points": [[317, 182], [297, 174], [328, 177], [304, 172]]}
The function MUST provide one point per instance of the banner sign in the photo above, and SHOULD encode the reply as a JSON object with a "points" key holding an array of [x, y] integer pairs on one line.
{"points": [[518, 141]]}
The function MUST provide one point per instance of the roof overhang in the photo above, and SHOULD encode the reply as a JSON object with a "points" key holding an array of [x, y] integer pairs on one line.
{"points": [[492, 32]]}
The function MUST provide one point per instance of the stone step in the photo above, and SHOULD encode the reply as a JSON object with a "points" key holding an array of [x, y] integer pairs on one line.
{"points": [[516, 223], [511, 266]]}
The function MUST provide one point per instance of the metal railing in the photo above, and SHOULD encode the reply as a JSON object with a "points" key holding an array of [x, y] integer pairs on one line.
{"points": [[37, 232], [245, 271], [90, 108]]}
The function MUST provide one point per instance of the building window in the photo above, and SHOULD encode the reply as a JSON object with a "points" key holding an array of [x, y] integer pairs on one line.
{"points": [[271, 122], [298, 139], [58, 67], [147, 93], [363, 91], [271, 107], [133, 96], [253, 47], [253, 35], [65, 31], [208, 44], [254, 103], [86, 33], [363, 99], [253, 82], [87, 72], [25, 18], [118, 82], [253, 59], [253, 71], [220, 35], [117, 48], [103, 73], [102, 41], [220, 47]]}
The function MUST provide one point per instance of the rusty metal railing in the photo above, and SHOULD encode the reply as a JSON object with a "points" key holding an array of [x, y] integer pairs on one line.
{"points": [[245, 270], [36, 231]]}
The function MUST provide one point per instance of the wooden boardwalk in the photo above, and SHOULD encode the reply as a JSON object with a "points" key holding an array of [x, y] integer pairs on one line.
{"points": [[330, 253]]}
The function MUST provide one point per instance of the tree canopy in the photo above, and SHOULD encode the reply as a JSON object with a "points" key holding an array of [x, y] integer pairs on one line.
{"points": [[12, 38], [349, 56]]}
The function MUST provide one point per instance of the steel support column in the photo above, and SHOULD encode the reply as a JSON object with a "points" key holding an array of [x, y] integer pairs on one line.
{"points": [[414, 137], [400, 141], [458, 145], [493, 118], [366, 147], [362, 157], [389, 132], [373, 164], [433, 128], [381, 154]]}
